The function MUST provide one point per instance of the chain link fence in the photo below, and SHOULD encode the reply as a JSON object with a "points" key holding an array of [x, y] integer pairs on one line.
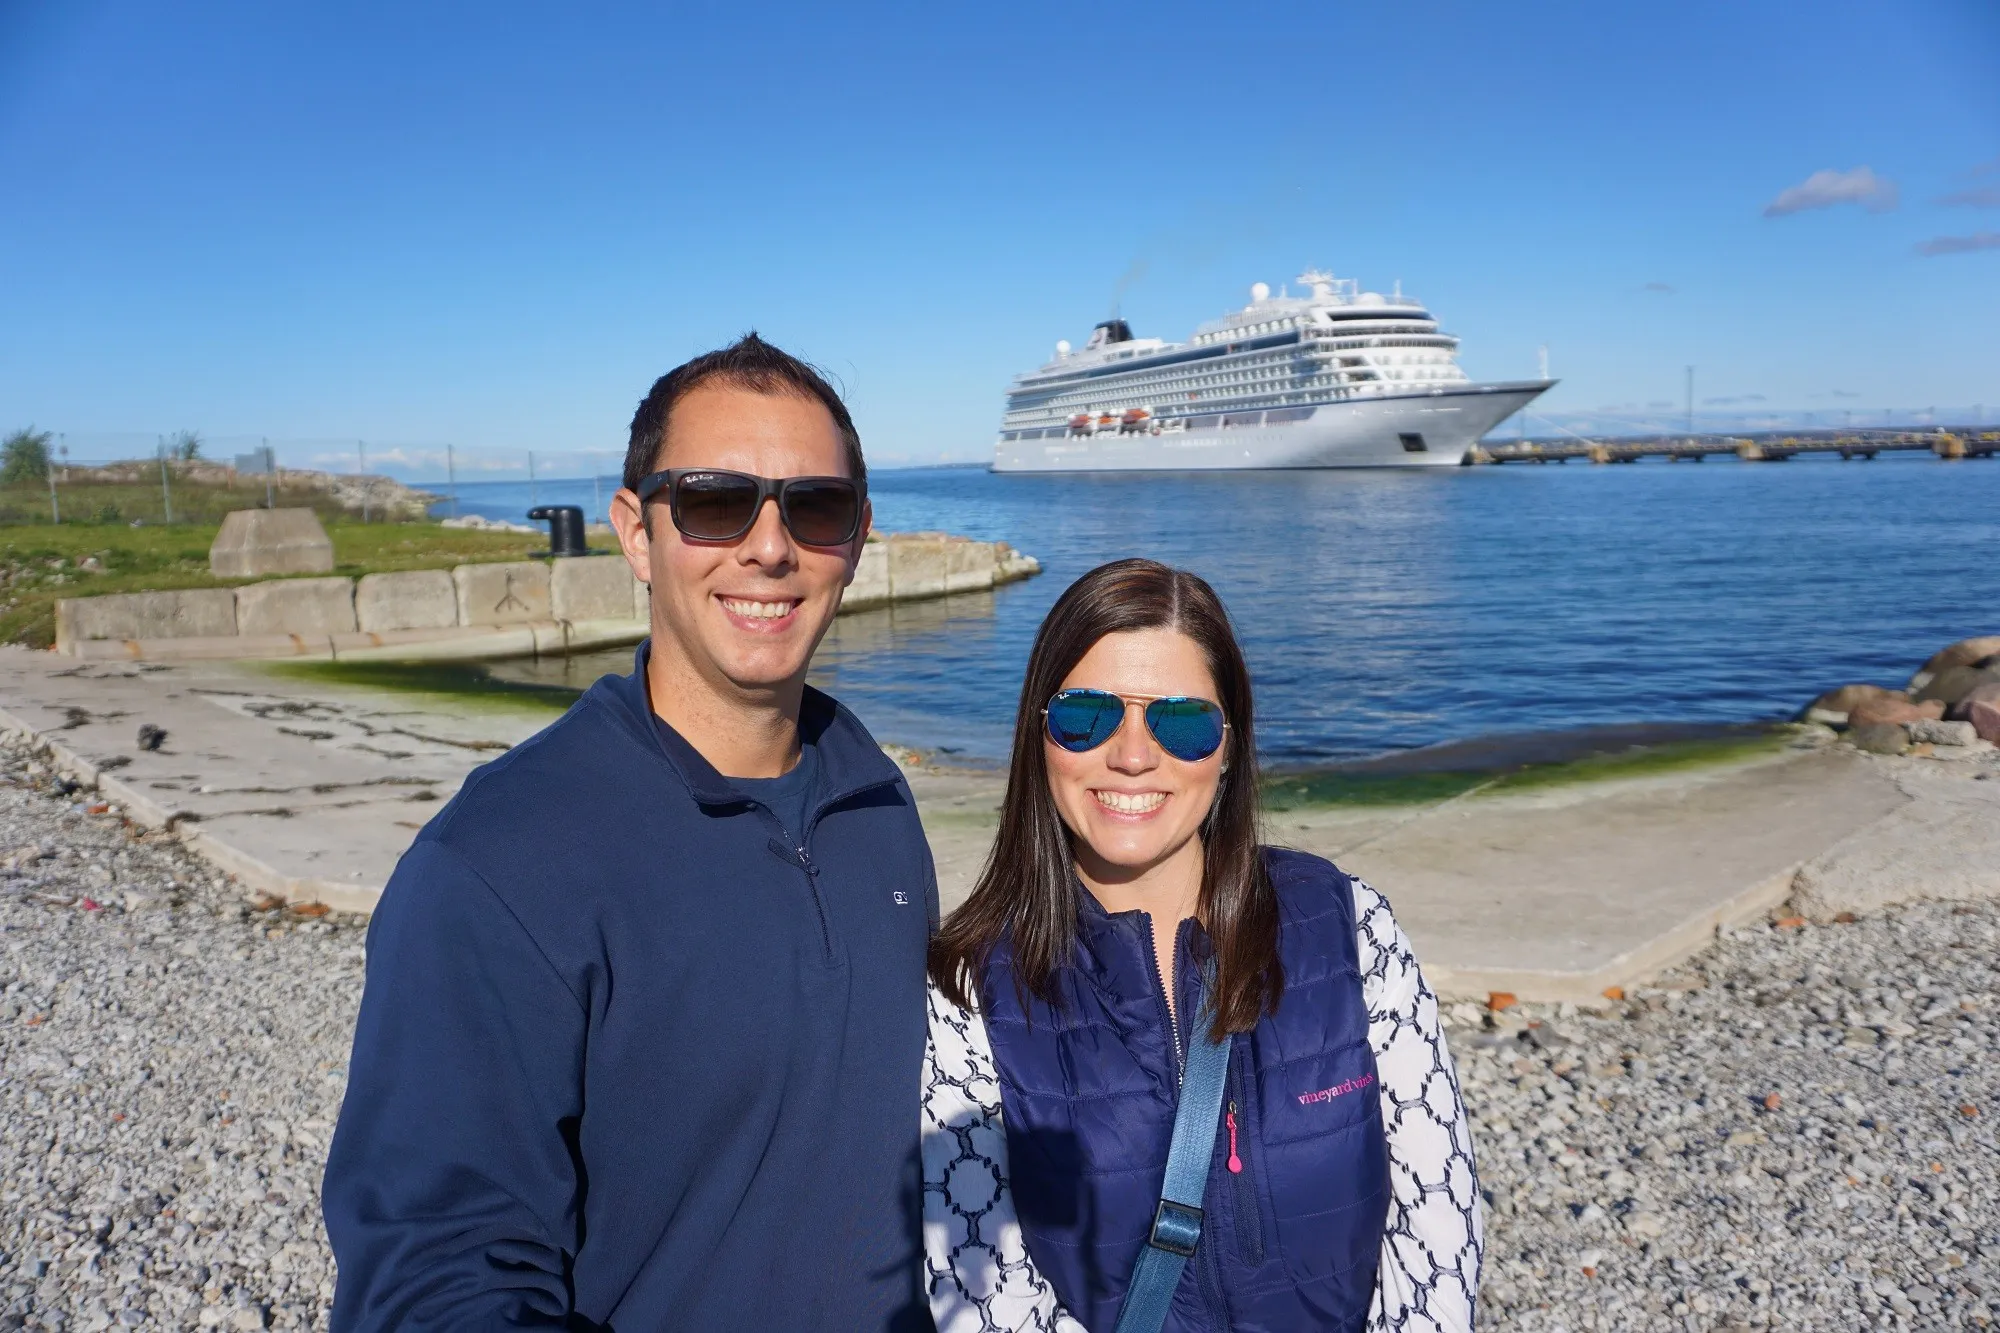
{"points": [[186, 476]]}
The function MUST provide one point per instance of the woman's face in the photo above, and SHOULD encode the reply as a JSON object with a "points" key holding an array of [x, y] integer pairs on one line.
{"points": [[1130, 804]]}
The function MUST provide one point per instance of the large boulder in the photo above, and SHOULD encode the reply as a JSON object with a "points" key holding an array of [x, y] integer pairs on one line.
{"points": [[255, 542], [1988, 693], [1892, 712], [1966, 652], [1985, 719], [1942, 733], [1833, 707], [1879, 738], [1952, 684]]}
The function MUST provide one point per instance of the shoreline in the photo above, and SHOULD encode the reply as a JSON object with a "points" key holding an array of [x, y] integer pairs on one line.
{"points": [[1550, 865], [1586, 753]]}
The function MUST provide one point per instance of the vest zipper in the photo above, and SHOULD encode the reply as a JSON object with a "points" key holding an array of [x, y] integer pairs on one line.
{"points": [[1166, 1007], [1249, 1219]]}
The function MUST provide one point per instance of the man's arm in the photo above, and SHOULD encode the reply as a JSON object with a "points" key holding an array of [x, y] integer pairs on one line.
{"points": [[451, 1192]]}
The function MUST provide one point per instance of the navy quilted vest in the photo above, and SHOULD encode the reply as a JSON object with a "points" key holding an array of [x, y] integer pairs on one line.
{"points": [[1290, 1242]]}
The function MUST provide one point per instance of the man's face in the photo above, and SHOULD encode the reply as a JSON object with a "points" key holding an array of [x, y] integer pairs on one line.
{"points": [[746, 613]]}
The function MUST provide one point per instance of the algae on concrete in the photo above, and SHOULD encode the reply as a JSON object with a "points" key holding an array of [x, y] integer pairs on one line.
{"points": [[464, 682], [1406, 780]]}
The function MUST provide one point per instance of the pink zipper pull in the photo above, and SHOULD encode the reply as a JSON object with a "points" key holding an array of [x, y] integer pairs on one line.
{"points": [[1235, 1162]]}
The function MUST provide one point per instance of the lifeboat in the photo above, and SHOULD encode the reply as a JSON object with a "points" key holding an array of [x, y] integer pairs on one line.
{"points": [[1134, 421], [1106, 421], [1080, 424]]}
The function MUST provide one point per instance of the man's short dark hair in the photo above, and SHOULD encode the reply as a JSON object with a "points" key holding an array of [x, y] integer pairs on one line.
{"points": [[748, 363]]}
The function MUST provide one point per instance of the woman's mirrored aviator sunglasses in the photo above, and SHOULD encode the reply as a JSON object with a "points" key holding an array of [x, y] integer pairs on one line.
{"points": [[1187, 728], [715, 506]]}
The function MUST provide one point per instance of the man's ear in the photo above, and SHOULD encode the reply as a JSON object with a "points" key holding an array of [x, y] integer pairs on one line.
{"points": [[628, 519], [860, 542]]}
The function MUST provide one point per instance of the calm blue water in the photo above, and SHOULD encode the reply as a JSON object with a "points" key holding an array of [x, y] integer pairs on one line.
{"points": [[1387, 610]]}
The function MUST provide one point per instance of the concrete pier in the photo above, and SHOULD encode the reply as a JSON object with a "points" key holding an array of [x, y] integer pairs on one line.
{"points": [[1769, 447]]}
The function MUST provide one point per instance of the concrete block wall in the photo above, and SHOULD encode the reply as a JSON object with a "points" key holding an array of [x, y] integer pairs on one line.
{"points": [[192, 613], [593, 587], [473, 610], [412, 599], [296, 606], [513, 593]]}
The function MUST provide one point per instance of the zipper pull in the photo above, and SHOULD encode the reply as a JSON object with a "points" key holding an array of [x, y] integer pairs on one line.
{"points": [[807, 862], [1235, 1162]]}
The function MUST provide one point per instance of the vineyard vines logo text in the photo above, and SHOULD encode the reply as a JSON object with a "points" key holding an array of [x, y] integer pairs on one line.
{"points": [[1337, 1090]]}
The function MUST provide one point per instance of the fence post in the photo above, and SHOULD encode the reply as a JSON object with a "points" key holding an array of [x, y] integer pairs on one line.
{"points": [[49, 466], [166, 496], [270, 465]]}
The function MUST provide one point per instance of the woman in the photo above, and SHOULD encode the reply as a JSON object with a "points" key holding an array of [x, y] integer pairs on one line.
{"points": [[1126, 923]]}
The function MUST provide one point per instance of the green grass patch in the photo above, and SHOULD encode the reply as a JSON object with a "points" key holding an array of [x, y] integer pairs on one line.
{"points": [[1363, 785], [40, 563]]}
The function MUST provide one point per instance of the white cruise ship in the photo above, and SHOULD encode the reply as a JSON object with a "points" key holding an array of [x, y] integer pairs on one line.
{"points": [[1335, 378]]}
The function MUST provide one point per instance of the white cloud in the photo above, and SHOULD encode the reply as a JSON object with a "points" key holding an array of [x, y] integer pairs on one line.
{"points": [[1663, 288], [1959, 245], [1985, 197], [1733, 402], [1824, 189]]}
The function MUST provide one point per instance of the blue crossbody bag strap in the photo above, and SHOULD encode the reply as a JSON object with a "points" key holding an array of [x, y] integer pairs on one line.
{"points": [[1177, 1220]]}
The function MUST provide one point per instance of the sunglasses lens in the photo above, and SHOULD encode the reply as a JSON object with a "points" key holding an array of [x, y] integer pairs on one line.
{"points": [[714, 506], [1082, 720], [1189, 729], [822, 511]]}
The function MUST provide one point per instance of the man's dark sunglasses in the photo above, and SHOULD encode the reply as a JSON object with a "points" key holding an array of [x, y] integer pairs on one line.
{"points": [[715, 506]]}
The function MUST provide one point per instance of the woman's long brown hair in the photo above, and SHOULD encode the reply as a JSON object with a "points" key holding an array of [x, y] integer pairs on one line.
{"points": [[1029, 886]]}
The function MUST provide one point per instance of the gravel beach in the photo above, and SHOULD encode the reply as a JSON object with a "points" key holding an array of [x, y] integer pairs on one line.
{"points": [[1794, 1130], [171, 1063]]}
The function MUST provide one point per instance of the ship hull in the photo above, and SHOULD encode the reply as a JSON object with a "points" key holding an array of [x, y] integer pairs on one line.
{"points": [[1434, 429]]}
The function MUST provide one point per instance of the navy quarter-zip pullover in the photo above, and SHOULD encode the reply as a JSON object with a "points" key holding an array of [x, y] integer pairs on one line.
{"points": [[632, 1054]]}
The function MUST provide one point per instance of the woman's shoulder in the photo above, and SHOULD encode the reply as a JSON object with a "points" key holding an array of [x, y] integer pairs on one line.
{"points": [[1310, 885]]}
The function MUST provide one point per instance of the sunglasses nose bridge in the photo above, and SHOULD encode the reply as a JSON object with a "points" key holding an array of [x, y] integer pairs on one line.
{"points": [[1133, 747], [768, 532]]}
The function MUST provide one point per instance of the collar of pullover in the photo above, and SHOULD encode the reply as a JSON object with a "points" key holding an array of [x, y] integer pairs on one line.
{"points": [[850, 760]]}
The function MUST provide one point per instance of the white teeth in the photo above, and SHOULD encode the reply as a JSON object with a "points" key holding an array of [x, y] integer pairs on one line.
{"points": [[1131, 803], [757, 610]]}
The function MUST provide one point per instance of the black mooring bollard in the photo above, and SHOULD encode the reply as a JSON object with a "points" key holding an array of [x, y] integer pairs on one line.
{"points": [[565, 528]]}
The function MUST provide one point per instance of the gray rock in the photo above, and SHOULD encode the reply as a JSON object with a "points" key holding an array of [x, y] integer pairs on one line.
{"points": [[1880, 737], [1954, 683], [1943, 733]]}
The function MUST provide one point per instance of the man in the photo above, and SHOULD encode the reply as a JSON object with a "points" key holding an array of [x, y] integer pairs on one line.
{"points": [[644, 1016]]}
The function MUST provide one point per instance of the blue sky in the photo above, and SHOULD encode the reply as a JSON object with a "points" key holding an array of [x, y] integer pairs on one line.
{"points": [[495, 224]]}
